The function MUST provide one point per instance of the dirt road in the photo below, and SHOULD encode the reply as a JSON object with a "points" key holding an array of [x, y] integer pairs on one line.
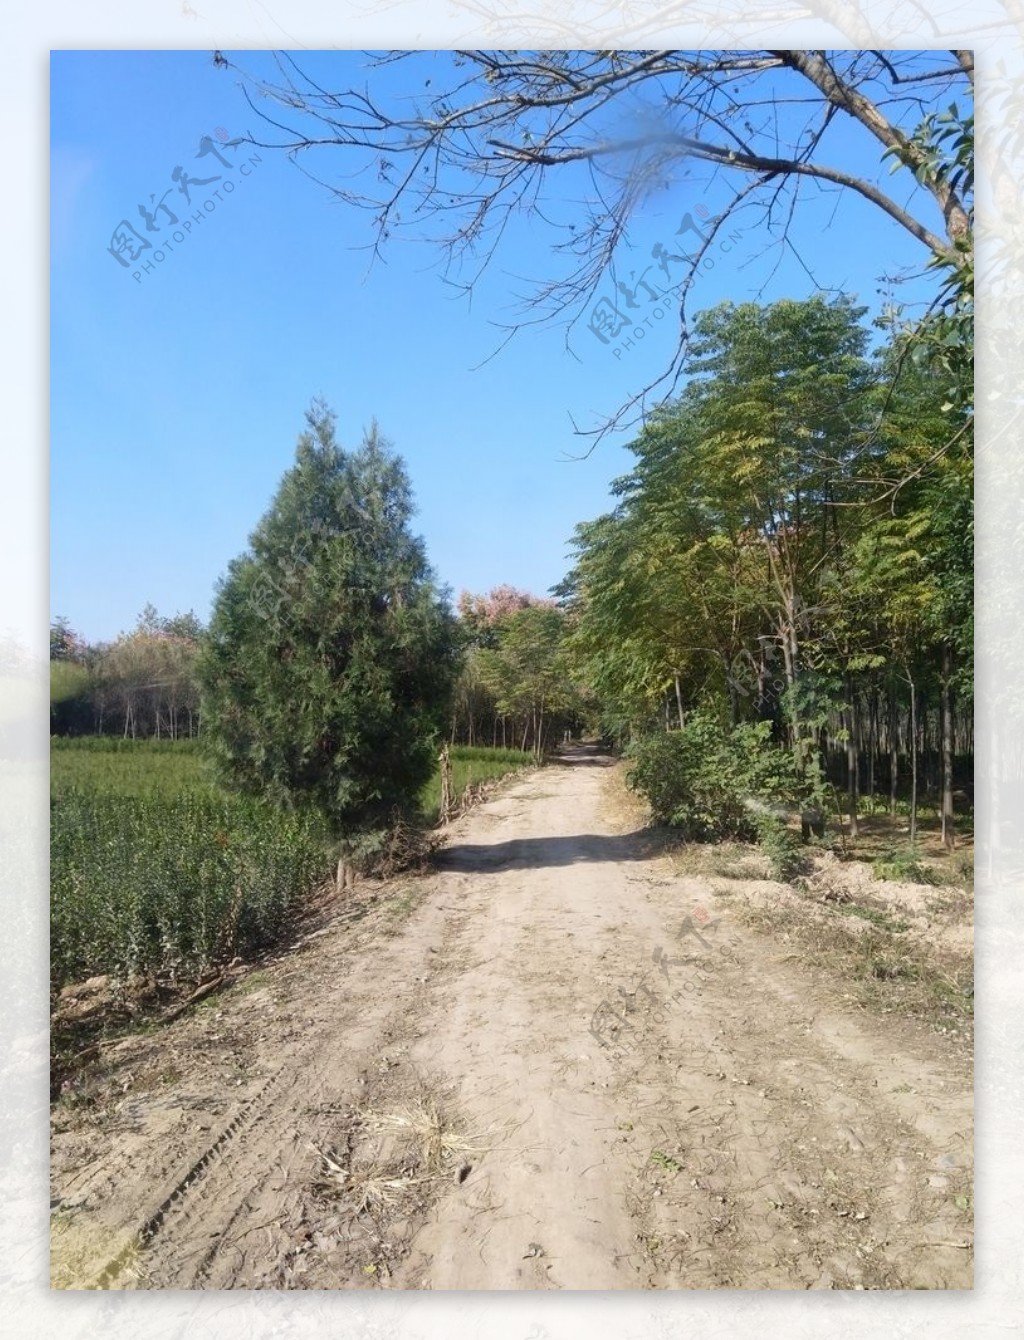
{"points": [[548, 1065]]}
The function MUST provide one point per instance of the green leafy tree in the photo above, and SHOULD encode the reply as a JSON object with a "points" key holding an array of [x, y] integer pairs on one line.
{"points": [[330, 659], [907, 582], [944, 338], [737, 509], [65, 644], [527, 672]]}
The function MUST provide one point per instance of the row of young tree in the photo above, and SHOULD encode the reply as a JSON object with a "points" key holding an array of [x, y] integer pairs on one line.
{"points": [[794, 544], [516, 688], [143, 684]]}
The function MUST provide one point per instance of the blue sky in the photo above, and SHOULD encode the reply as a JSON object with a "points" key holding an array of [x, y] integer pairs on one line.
{"points": [[176, 401]]}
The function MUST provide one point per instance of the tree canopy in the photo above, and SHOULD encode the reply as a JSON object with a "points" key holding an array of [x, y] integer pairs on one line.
{"points": [[793, 543]]}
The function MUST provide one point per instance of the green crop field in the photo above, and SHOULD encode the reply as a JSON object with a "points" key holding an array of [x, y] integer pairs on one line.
{"points": [[155, 869], [471, 764]]}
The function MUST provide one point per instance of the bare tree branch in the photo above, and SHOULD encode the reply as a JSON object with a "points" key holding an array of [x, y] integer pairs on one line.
{"points": [[582, 139]]}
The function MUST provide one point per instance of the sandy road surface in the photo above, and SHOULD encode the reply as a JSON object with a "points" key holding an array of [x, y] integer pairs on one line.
{"points": [[561, 1069]]}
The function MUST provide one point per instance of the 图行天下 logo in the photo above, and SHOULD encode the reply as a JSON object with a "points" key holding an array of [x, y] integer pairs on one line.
{"points": [[166, 224], [620, 322]]}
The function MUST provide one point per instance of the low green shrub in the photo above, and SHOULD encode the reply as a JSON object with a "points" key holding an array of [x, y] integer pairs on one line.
{"points": [[783, 847], [904, 866], [713, 782]]}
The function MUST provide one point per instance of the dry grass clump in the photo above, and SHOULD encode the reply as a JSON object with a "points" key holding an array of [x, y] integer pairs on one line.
{"points": [[395, 1158]]}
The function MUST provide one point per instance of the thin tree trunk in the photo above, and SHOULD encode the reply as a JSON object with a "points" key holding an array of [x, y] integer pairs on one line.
{"points": [[762, 675], [447, 797], [679, 702], [894, 750], [789, 667], [852, 747], [913, 762], [948, 839]]}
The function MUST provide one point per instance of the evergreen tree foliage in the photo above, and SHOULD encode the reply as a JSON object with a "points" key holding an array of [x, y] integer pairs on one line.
{"points": [[331, 655]]}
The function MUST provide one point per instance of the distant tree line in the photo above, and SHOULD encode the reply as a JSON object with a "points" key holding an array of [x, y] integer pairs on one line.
{"points": [[516, 688], [142, 684]]}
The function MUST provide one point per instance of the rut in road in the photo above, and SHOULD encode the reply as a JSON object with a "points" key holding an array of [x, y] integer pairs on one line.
{"points": [[566, 1069]]}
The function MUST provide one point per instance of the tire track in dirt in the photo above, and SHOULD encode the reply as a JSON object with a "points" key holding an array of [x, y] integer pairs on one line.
{"points": [[258, 1151], [627, 1090], [252, 1222]]}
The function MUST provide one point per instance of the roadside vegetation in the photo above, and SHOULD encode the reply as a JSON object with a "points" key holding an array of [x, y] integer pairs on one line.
{"points": [[158, 871], [776, 620], [472, 766], [206, 782]]}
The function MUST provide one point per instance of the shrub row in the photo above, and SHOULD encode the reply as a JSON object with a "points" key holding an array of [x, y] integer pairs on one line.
{"points": [[171, 885]]}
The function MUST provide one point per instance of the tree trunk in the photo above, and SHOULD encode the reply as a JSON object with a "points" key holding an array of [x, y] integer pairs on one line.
{"points": [[346, 876], [731, 687], [790, 661], [762, 676], [894, 752], [913, 762], [948, 839], [679, 702], [447, 796], [852, 760]]}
